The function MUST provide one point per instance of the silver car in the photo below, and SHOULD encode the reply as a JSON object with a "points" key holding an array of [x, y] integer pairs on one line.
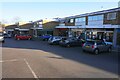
{"points": [[54, 40], [96, 46]]}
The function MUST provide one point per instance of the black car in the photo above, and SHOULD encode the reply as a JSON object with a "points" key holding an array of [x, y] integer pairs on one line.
{"points": [[72, 41]]}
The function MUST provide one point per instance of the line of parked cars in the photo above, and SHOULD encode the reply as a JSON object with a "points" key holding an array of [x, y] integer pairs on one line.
{"points": [[64, 41], [89, 45]]}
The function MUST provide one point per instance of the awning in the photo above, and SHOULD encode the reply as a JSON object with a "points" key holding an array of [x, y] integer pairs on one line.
{"points": [[91, 26], [23, 29], [37, 28], [9, 29], [66, 27]]}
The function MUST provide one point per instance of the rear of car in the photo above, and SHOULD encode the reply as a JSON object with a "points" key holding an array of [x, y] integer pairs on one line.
{"points": [[89, 46], [96, 46]]}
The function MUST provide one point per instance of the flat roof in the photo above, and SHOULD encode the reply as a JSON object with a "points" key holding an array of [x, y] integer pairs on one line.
{"points": [[94, 13]]}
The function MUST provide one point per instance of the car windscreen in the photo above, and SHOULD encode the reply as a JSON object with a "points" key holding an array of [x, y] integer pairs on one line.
{"points": [[23, 34]]}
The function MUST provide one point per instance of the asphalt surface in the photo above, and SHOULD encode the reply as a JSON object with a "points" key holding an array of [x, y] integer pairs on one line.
{"points": [[38, 59]]}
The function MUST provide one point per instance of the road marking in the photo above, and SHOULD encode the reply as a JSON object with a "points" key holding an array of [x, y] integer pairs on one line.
{"points": [[10, 60], [35, 76]]}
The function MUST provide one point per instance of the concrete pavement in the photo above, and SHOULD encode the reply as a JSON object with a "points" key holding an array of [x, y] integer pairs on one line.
{"points": [[37, 59]]}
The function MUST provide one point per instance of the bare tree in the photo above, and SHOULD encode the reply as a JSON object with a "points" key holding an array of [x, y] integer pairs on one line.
{"points": [[3, 21], [16, 19]]}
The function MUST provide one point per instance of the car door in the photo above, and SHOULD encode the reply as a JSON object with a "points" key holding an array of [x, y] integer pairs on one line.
{"points": [[104, 46], [71, 41], [101, 46]]}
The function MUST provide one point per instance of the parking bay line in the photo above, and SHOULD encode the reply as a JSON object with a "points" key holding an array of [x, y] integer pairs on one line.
{"points": [[35, 76], [10, 60]]}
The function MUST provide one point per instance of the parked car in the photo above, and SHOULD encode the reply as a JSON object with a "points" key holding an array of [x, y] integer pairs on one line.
{"points": [[7, 35], [2, 37], [54, 40], [96, 46], [71, 41], [23, 37], [45, 37]]}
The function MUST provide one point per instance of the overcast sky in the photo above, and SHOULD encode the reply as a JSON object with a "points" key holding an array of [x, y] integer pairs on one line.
{"points": [[31, 11]]}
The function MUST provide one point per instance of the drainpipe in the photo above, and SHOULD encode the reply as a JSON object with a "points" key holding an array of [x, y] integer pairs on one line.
{"points": [[69, 32], [114, 37], [35, 32]]}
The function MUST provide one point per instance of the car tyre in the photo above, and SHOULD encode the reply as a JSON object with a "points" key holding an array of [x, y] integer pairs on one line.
{"points": [[3, 41], [109, 49], [18, 38], [29, 38], [83, 50], [68, 45], [96, 51]]}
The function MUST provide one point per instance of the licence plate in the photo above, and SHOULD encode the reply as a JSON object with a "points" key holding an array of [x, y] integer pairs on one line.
{"points": [[87, 46]]}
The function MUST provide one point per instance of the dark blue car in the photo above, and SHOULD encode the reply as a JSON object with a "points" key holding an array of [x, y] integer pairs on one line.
{"points": [[45, 37]]}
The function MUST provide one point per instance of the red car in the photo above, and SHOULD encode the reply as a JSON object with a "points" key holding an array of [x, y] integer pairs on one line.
{"points": [[23, 37]]}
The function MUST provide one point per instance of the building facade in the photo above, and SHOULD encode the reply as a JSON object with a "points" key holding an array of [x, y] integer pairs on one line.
{"points": [[96, 25], [44, 26], [10, 29]]}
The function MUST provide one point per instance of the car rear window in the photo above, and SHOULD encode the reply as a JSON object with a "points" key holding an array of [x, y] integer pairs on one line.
{"points": [[1, 34], [90, 42]]}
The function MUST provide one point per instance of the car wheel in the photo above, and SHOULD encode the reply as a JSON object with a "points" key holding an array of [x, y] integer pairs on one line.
{"points": [[96, 51], [29, 38], [109, 49], [3, 41], [68, 45], [83, 50], [18, 38]]}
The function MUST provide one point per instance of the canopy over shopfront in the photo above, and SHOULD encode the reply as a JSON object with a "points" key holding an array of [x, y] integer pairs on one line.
{"points": [[95, 26]]}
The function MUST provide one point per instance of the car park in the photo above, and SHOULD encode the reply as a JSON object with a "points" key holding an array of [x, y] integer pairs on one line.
{"points": [[96, 46], [71, 41], [54, 40], [45, 37], [23, 37], [2, 38]]}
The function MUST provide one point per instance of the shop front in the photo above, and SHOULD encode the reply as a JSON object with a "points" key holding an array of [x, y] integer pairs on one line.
{"points": [[100, 34]]}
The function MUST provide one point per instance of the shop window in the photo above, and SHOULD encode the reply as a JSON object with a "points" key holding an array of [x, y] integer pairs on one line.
{"points": [[95, 18], [71, 20], [111, 16], [80, 19]]}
